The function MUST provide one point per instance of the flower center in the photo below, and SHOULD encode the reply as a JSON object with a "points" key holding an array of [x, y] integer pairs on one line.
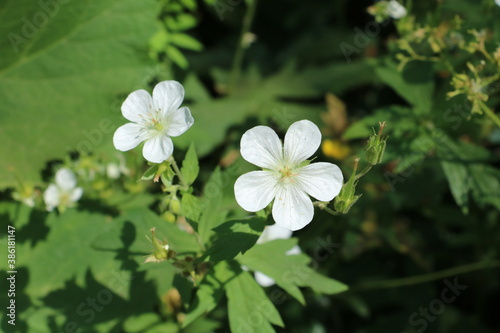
{"points": [[286, 175], [159, 126]]}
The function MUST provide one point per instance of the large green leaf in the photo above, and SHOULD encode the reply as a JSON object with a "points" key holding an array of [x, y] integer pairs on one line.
{"points": [[63, 65], [250, 310], [289, 271]]}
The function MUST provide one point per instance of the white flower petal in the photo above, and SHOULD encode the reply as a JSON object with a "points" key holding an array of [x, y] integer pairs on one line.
{"points": [[76, 194], [255, 190], [294, 251], [113, 171], [158, 148], [51, 197], [292, 208], [263, 280], [274, 232], [301, 141], [65, 179], [128, 136], [262, 147], [137, 106], [396, 10], [321, 180], [179, 121], [168, 96]]}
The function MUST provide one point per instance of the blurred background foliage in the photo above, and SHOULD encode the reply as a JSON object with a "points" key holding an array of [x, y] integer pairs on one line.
{"points": [[429, 212]]}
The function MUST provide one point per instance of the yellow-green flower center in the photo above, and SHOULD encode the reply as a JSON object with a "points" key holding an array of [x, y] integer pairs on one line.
{"points": [[159, 126], [286, 174]]}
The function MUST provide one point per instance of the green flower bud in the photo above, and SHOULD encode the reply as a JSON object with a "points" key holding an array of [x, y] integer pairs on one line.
{"points": [[161, 250], [347, 196], [175, 205], [374, 151]]}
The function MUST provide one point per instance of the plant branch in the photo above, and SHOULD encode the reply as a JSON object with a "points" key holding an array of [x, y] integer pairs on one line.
{"points": [[412, 280]]}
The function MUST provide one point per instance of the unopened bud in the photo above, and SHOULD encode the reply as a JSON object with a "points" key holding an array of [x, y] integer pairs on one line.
{"points": [[374, 151], [161, 250], [347, 196], [175, 205]]}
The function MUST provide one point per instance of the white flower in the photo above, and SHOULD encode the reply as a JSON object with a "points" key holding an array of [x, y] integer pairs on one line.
{"points": [[288, 178], [396, 10], [154, 120], [115, 170], [497, 2], [64, 192], [271, 233]]}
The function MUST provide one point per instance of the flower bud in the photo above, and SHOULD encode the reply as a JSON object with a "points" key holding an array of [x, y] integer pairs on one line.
{"points": [[175, 205], [347, 196], [161, 250], [374, 151]]}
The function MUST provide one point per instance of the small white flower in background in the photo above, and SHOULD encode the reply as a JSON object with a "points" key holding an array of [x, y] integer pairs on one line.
{"points": [[288, 177], [64, 192], [26, 195], [154, 120], [271, 233], [396, 10], [497, 2], [115, 170]]}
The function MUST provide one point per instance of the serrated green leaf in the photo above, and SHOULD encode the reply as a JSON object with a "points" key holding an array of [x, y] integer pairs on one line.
{"points": [[209, 293], [191, 207], [289, 271], [213, 213], [234, 237], [250, 310], [190, 167], [70, 71], [467, 173]]}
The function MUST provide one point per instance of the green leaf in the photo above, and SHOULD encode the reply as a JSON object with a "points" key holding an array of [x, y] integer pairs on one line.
{"points": [[140, 323], [213, 213], [180, 22], [176, 56], [234, 237], [151, 172], [467, 172], [191, 207], [289, 271], [185, 41], [415, 83], [250, 310], [190, 167], [71, 71], [209, 293]]}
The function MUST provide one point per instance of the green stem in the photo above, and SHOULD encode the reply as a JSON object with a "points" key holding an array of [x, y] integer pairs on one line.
{"points": [[364, 172], [321, 205], [412, 280], [490, 113], [240, 49], [184, 185]]}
